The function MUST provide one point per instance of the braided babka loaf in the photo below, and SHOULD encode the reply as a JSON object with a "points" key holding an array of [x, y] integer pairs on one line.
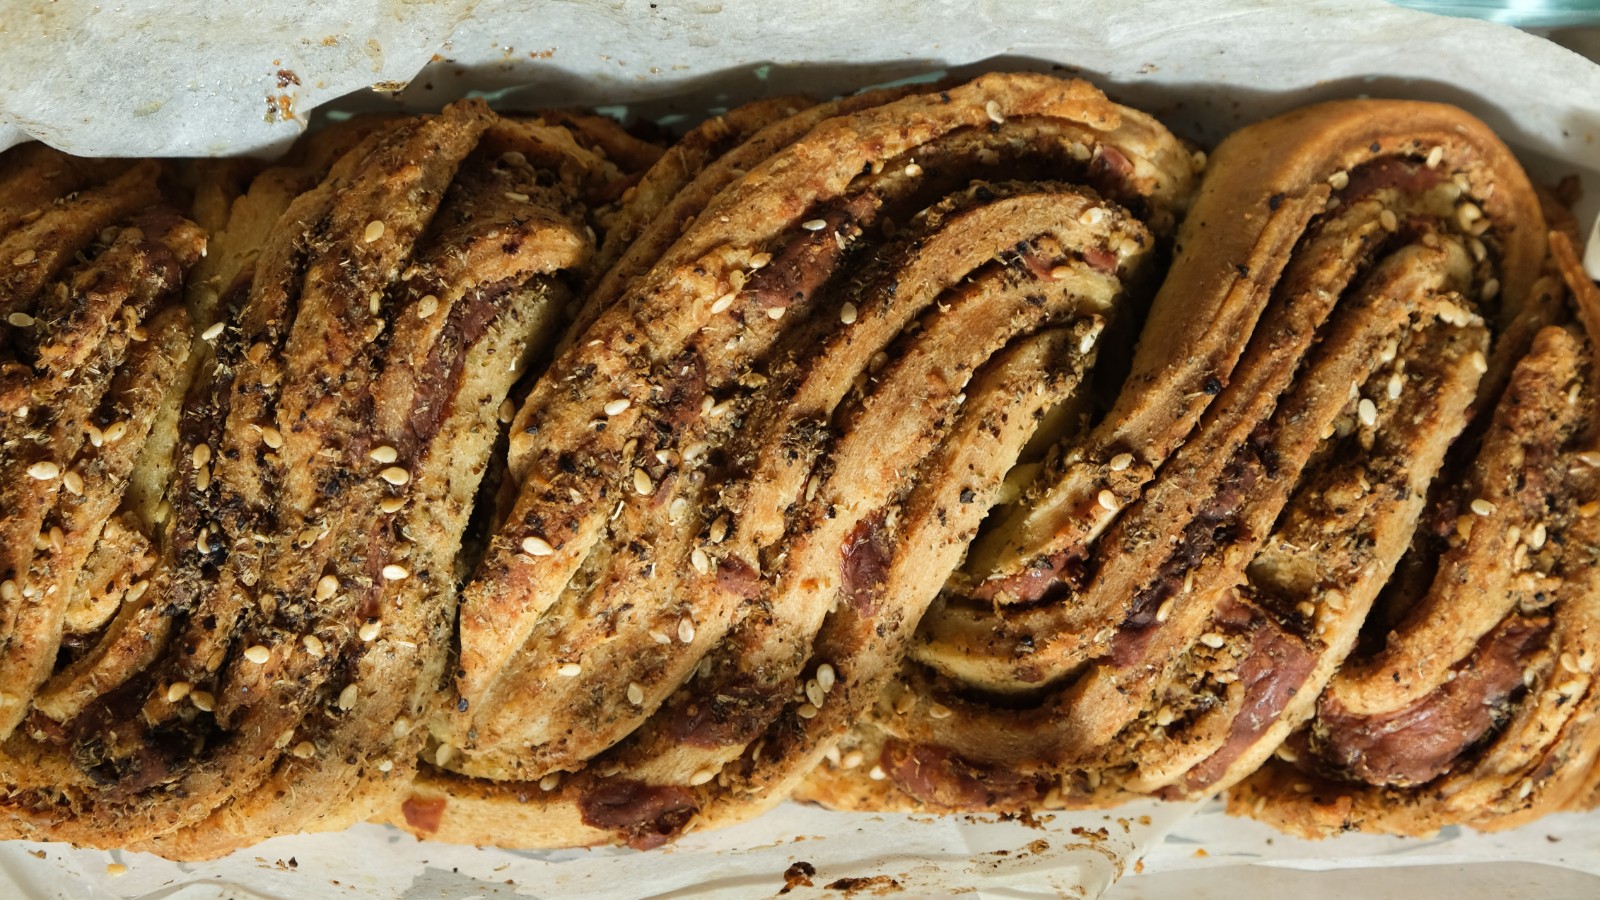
{"points": [[959, 447]]}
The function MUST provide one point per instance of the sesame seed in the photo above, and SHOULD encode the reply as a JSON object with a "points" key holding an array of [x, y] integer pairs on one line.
{"points": [[635, 693], [396, 572], [443, 754], [719, 529], [373, 232], [1466, 214], [516, 196], [1086, 343], [700, 561], [686, 630], [386, 765], [1435, 156], [1389, 220], [1491, 289], [760, 260], [1165, 609], [642, 483], [776, 312], [826, 677], [1165, 716], [73, 482], [617, 407], [701, 777], [272, 437], [1212, 639], [304, 750], [347, 697], [1479, 363], [534, 545], [384, 454], [992, 109], [427, 306], [178, 690], [391, 505], [44, 470], [569, 670], [23, 258], [660, 637], [203, 700], [814, 693], [1367, 412], [938, 711], [1107, 500], [1121, 461], [1094, 215], [1536, 538], [258, 654], [722, 303], [807, 711], [1396, 385], [814, 224], [115, 431], [848, 313], [1478, 250], [20, 320], [550, 782], [877, 773], [201, 455], [1306, 608], [912, 170], [8, 590], [395, 476], [676, 510], [327, 586], [1060, 273], [1339, 180], [368, 631], [212, 333], [314, 646], [1482, 507]]}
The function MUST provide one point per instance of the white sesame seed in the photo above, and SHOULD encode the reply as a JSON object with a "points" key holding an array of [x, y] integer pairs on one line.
{"points": [[443, 754], [938, 711], [1482, 507], [826, 677], [347, 697], [1121, 461], [1466, 214], [676, 510], [115, 431], [201, 455], [992, 109], [396, 572], [1367, 412], [617, 407], [391, 505], [402, 727], [1389, 220], [877, 773], [776, 312], [701, 777], [569, 670], [760, 260], [1107, 500], [43, 470], [1212, 639], [327, 586], [516, 197], [807, 711], [369, 631], [848, 313], [373, 232], [642, 483], [384, 454], [660, 637], [212, 333], [395, 475], [20, 320], [533, 545], [272, 437], [635, 693], [1479, 363], [1165, 609], [814, 224], [1536, 538], [178, 690], [550, 782], [1059, 273], [23, 258], [1086, 343], [258, 654], [8, 590], [203, 700], [314, 646], [1435, 156], [1491, 289], [427, 306], [722, 303], [1094, 215], [1339, 180], [1165, 716], [686, 630], [912, 170], [700, 561], [304, 750], [814, 693], [1396, 385]]}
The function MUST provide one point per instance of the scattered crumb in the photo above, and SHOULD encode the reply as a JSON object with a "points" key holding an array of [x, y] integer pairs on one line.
{"points": [[1200, 853], [878, 885], [797, 875]]}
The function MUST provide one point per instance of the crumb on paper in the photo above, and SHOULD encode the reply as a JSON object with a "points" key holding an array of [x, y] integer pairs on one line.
{"points": [[116, 870], [876, 885], [287, 77], [1200, 853], [797, 875]]}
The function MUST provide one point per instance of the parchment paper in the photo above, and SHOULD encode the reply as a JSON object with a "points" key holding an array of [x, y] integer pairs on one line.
{"points": [[191, 78]]}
